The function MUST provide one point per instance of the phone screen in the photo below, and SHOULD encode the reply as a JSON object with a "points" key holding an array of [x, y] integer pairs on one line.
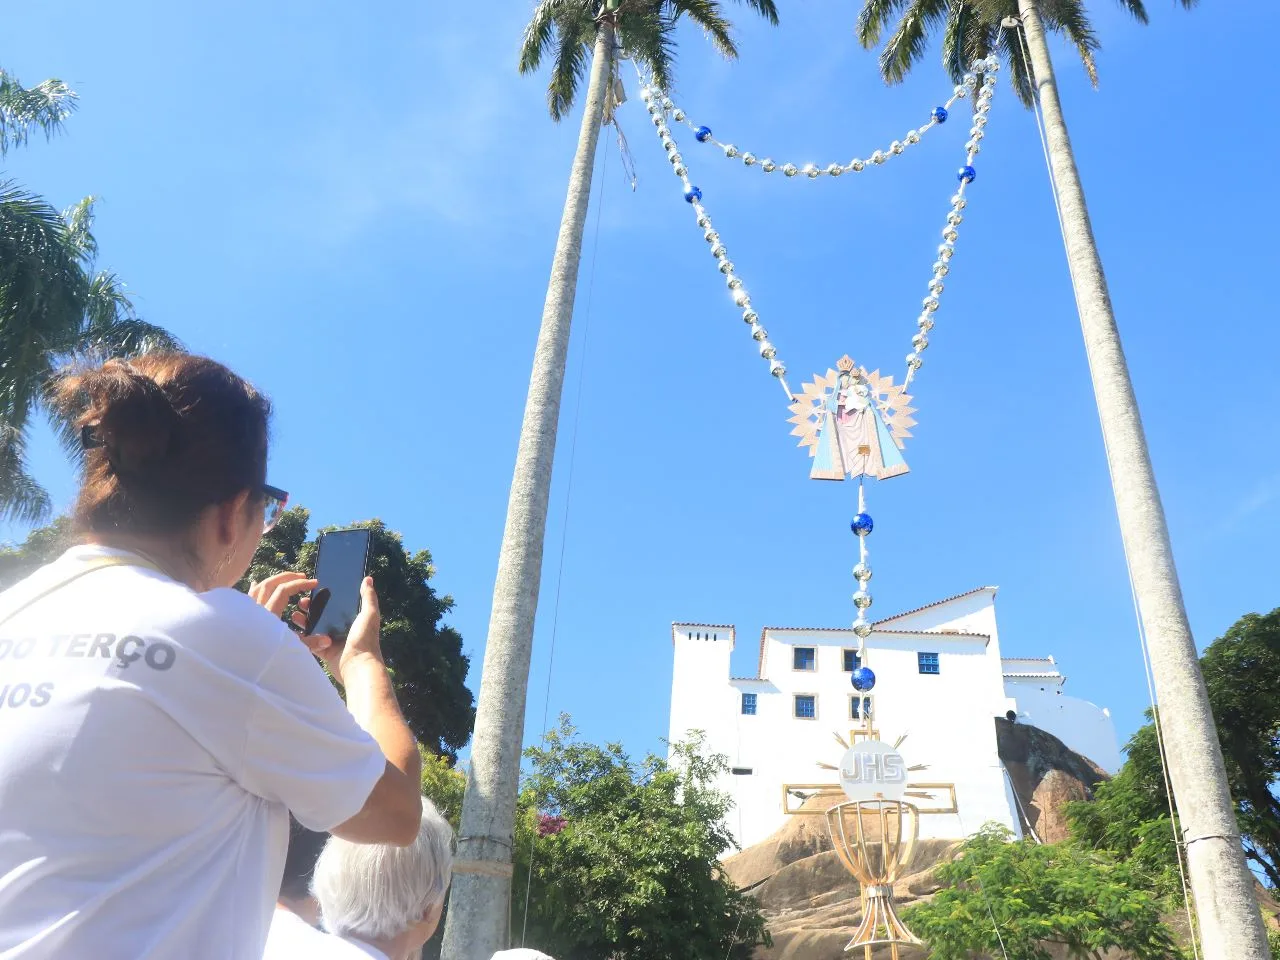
{"points": [[340, 568]]}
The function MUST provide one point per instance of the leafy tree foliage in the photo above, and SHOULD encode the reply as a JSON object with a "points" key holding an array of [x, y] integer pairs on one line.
{"points": [[443, 784], [55, 305], [1242, 671], [1130, 815], [631, 868], [1017, 898], [43, 545], [425, 656]]}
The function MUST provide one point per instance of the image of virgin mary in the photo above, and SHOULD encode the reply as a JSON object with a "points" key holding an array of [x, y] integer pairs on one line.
{"points": [[853, 438]]}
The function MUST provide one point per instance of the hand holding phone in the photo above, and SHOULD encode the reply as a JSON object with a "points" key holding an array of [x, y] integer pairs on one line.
{"points": [[364, 639], [341, 564]]}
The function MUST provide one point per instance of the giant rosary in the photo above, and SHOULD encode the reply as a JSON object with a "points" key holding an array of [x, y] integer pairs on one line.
{"points": [[853, 421]]}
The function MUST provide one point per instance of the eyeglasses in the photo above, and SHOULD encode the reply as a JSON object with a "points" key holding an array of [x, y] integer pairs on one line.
{"points": [[276, 500]]}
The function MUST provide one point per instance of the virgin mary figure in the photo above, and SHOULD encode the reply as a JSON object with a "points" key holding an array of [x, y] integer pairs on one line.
{"points": [[853, 439]]}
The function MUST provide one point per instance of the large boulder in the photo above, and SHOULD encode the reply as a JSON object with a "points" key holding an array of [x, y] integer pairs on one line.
{"points": [[1046, 775]]}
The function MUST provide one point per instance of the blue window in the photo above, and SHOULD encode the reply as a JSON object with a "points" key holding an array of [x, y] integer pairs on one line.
{"points": [[806, 706], [928, 662], [851, 661], [859, 708], [804, 658], [749, 704]]}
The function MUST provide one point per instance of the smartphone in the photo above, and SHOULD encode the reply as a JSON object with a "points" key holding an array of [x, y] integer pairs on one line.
{"points": [[341, 564]]}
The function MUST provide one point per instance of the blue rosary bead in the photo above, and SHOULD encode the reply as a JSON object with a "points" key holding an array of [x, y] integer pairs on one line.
{"points": [[702, 134]]}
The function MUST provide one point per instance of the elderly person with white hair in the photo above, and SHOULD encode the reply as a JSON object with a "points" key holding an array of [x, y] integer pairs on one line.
{"points": [[385, 901]]}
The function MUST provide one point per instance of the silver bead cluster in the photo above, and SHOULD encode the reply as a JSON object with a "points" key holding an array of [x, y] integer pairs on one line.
{"points": [[812, 171], [657, 105], [862, 574], [942, 265]]}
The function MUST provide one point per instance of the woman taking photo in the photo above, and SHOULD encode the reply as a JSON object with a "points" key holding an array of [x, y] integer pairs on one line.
{"points": [[156, 725]]}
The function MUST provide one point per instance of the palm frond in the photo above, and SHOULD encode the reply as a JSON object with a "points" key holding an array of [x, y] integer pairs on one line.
{"points": [[42, 292], [965, 38], [539, 33], [769, 10], [79, 219], [904, 49], [22, 499], [1139, 10], [874, 17], [576, 31], [106, 304], [1019, 76], [23, 110], [1068, 17], [124, 337], [565, 31], [649, 36], [706, 14]]}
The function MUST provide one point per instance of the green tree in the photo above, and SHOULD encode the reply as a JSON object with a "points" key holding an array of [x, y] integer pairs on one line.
{"points": [[43, 545], [1129, 817], [1037, 896], [568, 33], [443, 784], [626, 855], [55, 305], [1130, 814], [1242, 672], [425, 656]]}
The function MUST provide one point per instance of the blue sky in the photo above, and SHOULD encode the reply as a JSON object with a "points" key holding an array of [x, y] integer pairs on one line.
{"points": [[356, 207]]}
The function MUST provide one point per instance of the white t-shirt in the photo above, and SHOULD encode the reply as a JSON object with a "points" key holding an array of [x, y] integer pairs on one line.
{"points": [[152, 742], [292, 938]]}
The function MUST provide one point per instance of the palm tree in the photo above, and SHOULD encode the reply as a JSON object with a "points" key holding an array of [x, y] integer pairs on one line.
{"points": [[1230, 924], [54, 306], [569, 33]]}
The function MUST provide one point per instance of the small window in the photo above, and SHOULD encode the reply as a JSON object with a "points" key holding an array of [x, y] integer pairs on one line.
{"points": [[806, 706], [928, 662], [851, 661], [749, 704], [859, 708], [741, 771], [804, 658]]}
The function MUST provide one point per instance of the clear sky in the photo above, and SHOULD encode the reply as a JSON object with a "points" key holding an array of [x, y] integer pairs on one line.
{"points": [[355, 206]]}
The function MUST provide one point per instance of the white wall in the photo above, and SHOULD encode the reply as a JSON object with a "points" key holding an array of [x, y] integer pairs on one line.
{"points": [[1083, 726], [947, 718]]}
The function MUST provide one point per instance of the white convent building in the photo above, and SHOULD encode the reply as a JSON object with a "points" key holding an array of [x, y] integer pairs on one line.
{"points": [[940, 682]]}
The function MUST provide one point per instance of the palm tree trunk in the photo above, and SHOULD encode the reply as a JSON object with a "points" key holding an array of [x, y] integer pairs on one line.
{"points": [[479, 907], [1230, 922]]}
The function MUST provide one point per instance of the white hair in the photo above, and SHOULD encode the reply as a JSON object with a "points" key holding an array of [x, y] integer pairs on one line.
{"points": [[377, 891]]}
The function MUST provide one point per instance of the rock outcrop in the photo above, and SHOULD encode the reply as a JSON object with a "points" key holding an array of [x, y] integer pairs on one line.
{"points": [[1046, 774]]}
